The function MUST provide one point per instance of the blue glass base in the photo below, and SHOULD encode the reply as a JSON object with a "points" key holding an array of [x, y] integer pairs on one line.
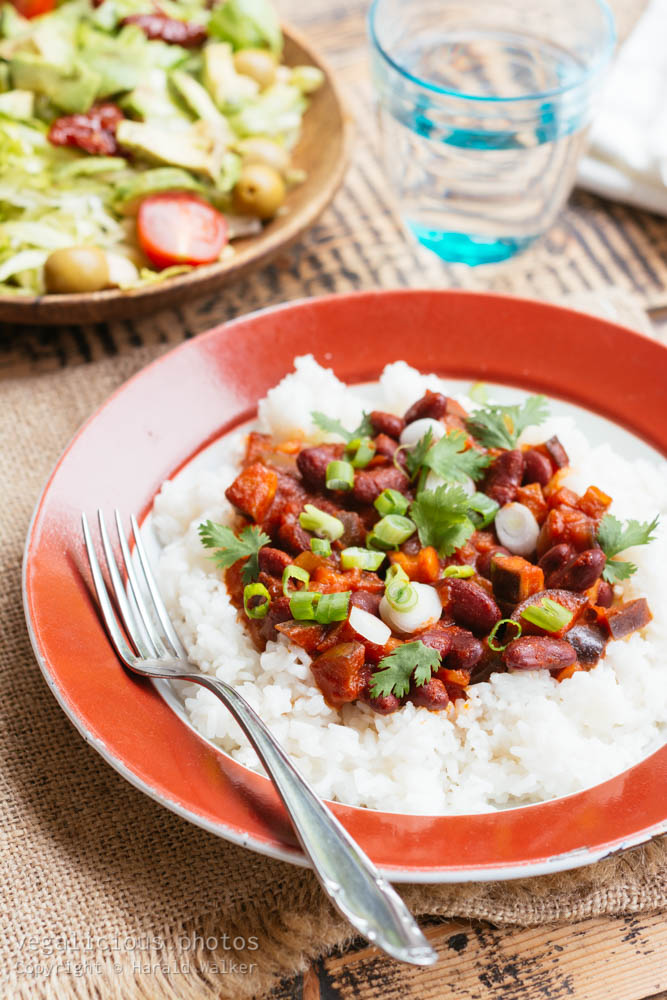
{"points": [[458, 247]]}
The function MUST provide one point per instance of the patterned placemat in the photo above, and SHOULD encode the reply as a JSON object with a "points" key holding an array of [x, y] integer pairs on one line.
{"points": [[595, 246]]}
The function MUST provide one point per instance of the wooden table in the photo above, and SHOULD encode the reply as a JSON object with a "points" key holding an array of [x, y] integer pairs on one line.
{"points": [[611, 958]]}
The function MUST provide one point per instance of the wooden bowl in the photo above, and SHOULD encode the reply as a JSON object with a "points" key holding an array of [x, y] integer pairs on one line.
{"points": [[322, 152]]}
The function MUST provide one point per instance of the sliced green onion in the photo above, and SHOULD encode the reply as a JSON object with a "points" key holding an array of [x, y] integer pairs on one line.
{"points": [[401, 595], [396, 572], [391, 531], [459, 572], [497, 648], [333, 607], [293, 572], [360, 452], [303, 604], [354, 558], [482, 510], [548, 614], [252, 591], [320, 546], [340, 476], [391, 502], [323, 524]]}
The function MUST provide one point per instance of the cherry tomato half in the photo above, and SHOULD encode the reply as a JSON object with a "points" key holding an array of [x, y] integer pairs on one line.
{"points": [[33, 8], [177, 228]]}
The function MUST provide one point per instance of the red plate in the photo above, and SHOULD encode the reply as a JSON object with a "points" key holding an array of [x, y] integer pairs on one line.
{"points": [[181, 402]]}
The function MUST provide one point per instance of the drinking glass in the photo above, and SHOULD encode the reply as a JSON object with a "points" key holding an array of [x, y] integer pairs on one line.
{"points": [[484, 108]]}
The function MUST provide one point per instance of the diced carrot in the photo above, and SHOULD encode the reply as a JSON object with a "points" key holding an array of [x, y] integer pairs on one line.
{"points": [[532, 497], [566, 672], [555, 482], [309, 561], [253, 490], [460, 677], [515, 578], [566, 524], [424, 567], [329, 581], [563, 497], [594, 502]]}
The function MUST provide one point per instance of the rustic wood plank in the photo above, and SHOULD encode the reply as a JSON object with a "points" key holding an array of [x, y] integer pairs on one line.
{"points": [[610, 958]]}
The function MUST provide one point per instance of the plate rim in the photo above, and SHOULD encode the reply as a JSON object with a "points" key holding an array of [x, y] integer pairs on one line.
{"points": [[425, 875]]}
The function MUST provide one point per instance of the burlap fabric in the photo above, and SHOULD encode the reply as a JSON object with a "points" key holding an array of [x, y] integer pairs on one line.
{"points": [[106, 894]]}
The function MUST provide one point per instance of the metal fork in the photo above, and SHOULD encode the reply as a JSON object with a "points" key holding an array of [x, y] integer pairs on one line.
{"points": [[346, 874]]}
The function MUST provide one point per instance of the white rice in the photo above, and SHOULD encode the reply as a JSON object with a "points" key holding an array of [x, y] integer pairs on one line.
{"points": [[520, 738]]}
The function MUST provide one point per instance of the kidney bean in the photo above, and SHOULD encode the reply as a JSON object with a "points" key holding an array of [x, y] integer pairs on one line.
{"points": [[367, 602], [629, 618], [535, 652], [469, 605], [387, 423], [580, 572], [438, 637], [432, 695], [557, 454], [555, 558], [369, 483], [432, 404], [466, 651], [384, 704], [605, 594], [169, 29], [536, 468], [273, 561], [385, 445], [503, 477], [484, 561], [312, 464]]}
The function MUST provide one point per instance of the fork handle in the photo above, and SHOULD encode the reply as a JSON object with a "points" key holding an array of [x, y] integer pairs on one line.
{"points": [[347, 875]]}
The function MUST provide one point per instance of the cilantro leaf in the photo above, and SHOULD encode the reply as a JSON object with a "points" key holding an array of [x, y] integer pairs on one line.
{"points": [[414, 459], [397, 669], [441, 517], [617, 570], [450, 459], [500, 426], [333, 426], [614, 537], [230, 547]]}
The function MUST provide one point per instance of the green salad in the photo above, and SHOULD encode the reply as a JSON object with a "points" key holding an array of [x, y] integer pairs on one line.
{"points": [[137, 139]]}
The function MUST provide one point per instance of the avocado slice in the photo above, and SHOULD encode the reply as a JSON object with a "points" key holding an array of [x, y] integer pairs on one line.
{"points": [[18, 104], [72, 90], [152, 98], [227, 87], [196, 148], [201, 105]]}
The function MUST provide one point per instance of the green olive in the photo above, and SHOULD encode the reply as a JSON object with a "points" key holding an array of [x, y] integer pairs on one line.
{"points": [[259, 64], [76, 269], [260, 191], [259, 149]]}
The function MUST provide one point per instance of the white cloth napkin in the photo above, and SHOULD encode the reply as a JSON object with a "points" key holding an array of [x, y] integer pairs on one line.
{"points": [[627, 156]]}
